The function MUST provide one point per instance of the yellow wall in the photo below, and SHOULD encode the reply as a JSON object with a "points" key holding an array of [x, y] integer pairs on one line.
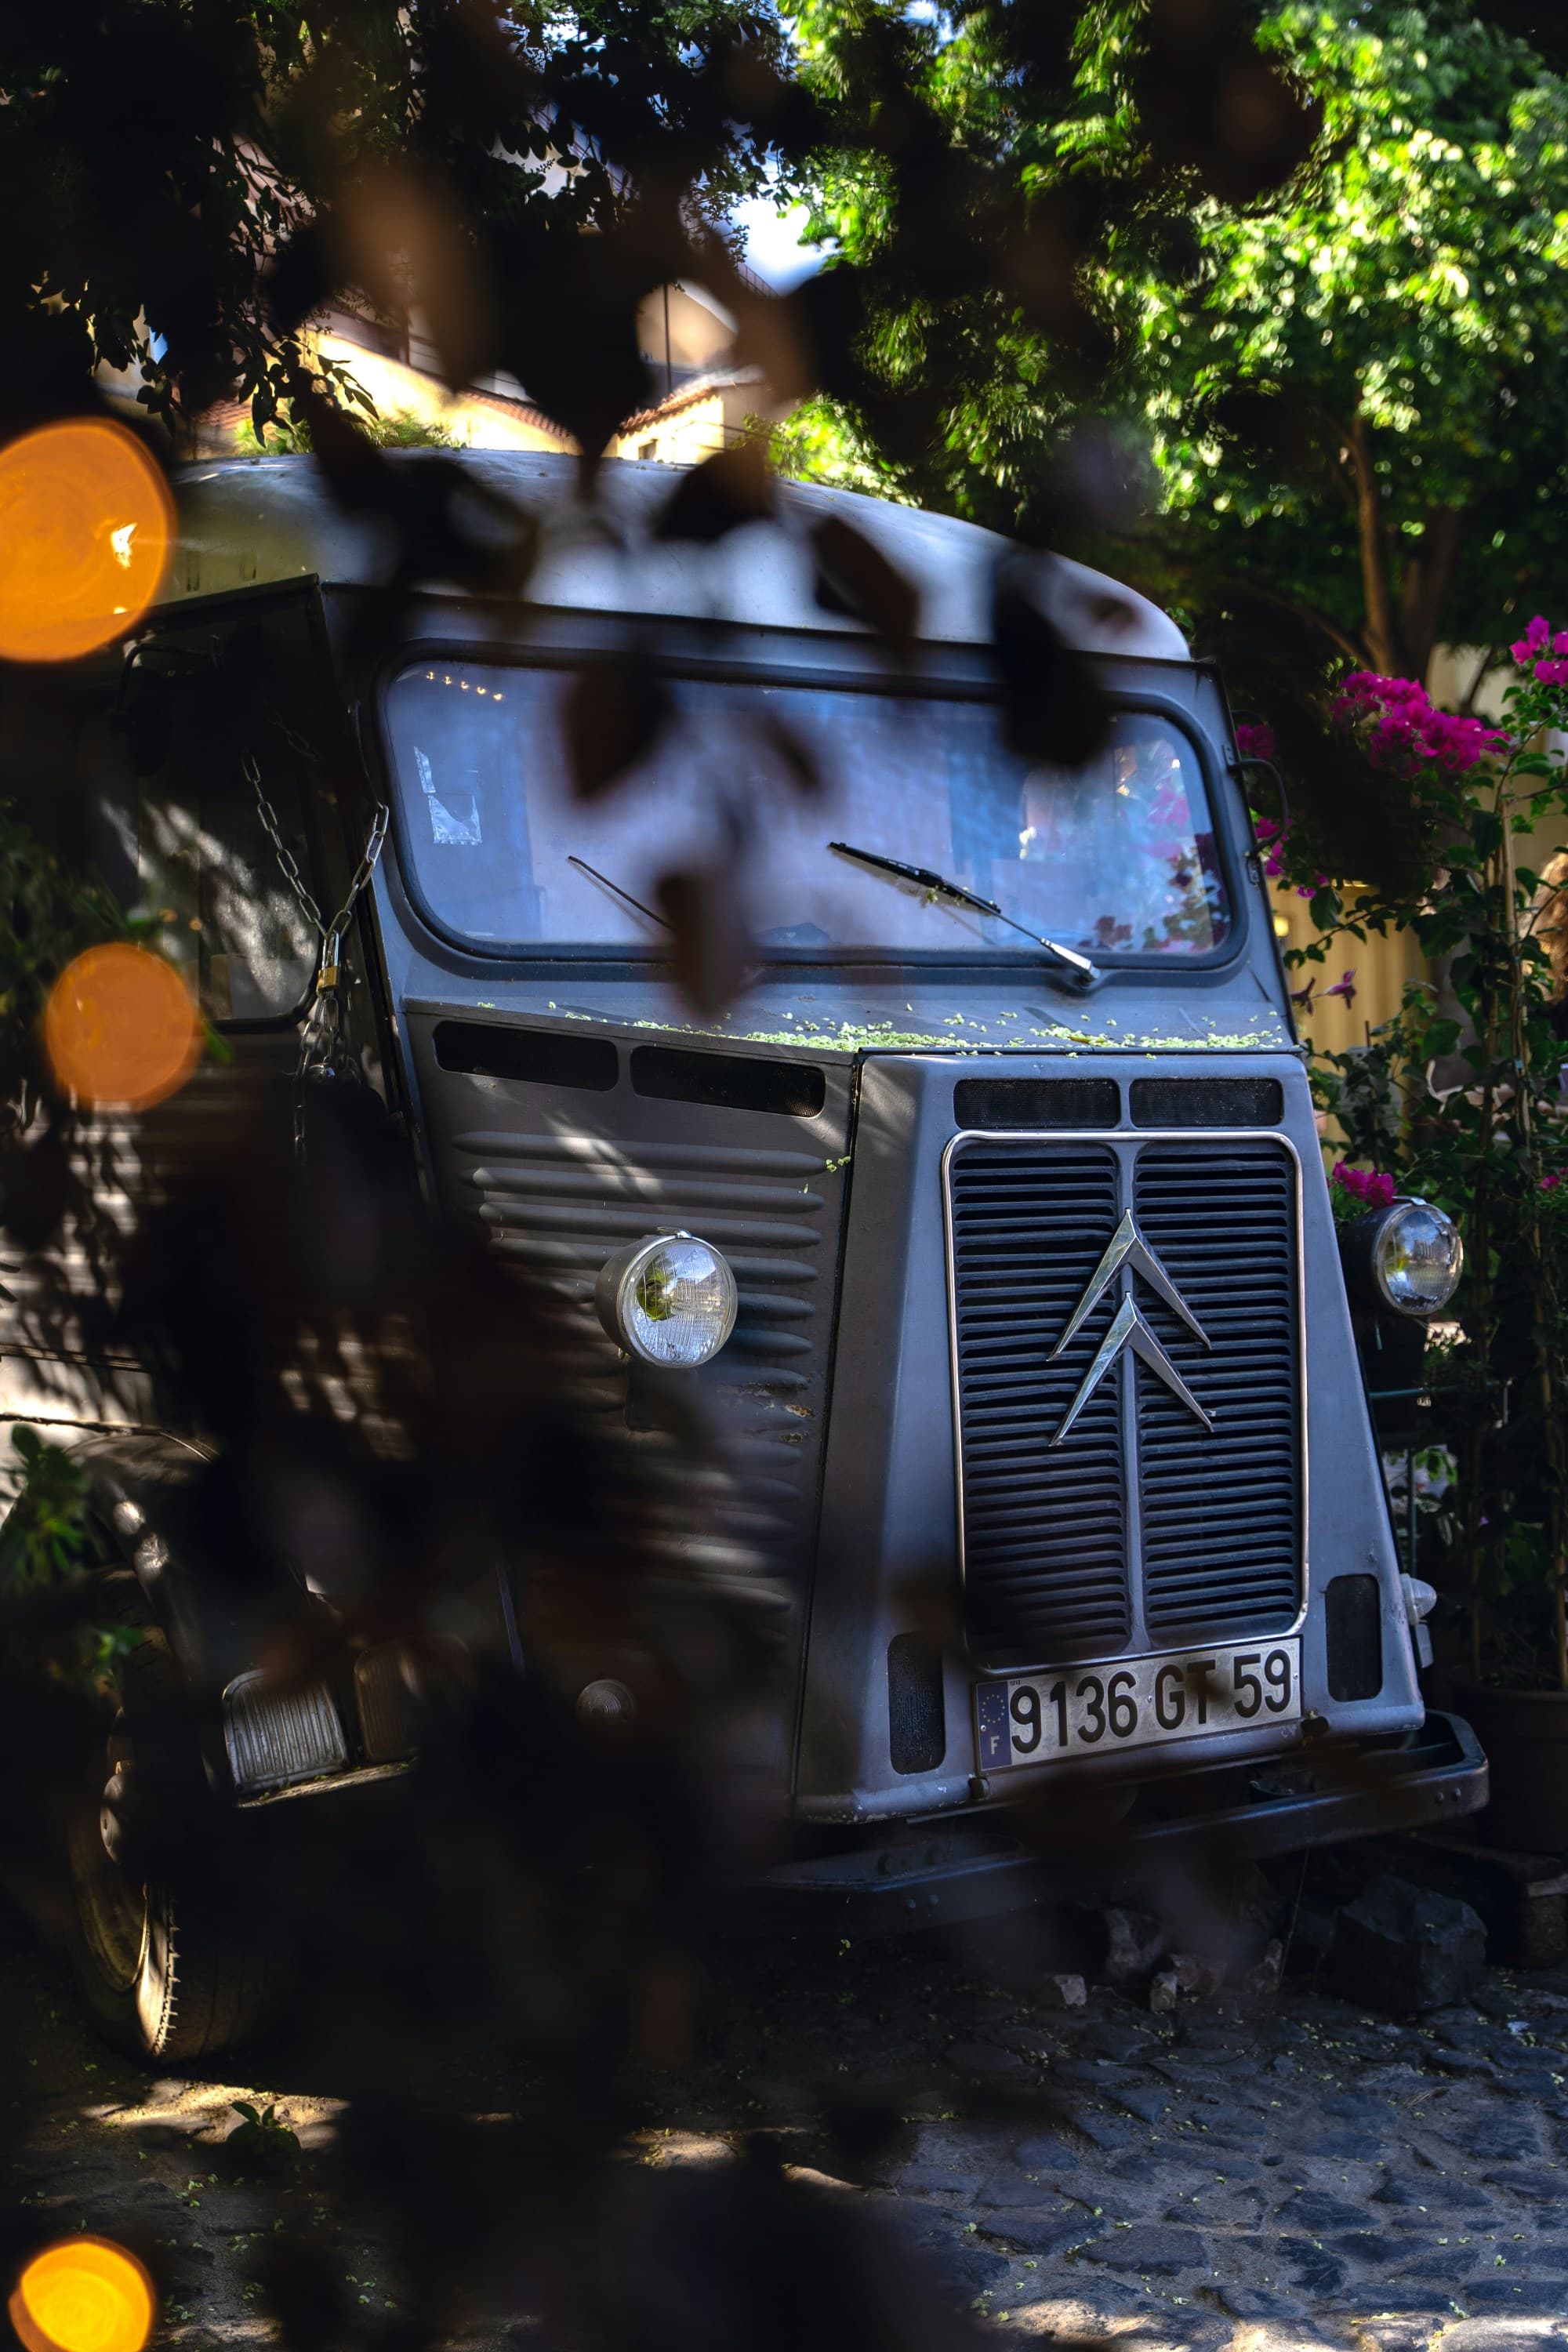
{"points": [[1382, 967], [470, 418], [691, 426], [680, 431]]}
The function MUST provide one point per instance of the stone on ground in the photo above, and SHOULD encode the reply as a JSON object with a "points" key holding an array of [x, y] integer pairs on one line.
{"points": [[1401, 1948]]}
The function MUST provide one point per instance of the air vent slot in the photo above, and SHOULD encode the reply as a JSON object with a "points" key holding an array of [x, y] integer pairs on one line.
{"points": [[538, 1057], [1207, 1102], [1352, 1626], [992, 1104], [917, 1729], [728, 1081]]}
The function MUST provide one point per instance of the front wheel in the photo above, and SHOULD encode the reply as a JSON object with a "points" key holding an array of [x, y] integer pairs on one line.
{"points": [[168, 1970], [172, 1965]]}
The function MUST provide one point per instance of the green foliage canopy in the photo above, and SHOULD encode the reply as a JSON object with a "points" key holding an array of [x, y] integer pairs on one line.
{"points": [[1347, 385], [1356, 401]]}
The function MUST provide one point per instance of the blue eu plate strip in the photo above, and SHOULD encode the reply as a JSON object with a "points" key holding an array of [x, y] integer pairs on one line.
{"points": [[993, 1731]]}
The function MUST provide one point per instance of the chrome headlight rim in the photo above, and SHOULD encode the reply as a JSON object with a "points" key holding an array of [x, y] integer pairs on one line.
{"points": [[1381, 1233], [615, 1296]]}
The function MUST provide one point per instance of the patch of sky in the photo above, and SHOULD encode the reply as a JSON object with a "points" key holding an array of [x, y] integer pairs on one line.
{"points": [[774, 248]]}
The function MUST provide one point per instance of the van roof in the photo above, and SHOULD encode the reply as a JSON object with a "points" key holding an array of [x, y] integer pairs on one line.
{"points": [[252, 519]]}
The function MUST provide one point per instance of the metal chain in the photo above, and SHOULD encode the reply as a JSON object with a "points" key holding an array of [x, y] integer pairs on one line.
{"points": [[323, 1033], [286, 858], [330, 934]]}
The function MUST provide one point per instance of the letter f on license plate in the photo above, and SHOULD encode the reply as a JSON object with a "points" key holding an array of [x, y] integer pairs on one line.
{"points": [[1183, 1694]]}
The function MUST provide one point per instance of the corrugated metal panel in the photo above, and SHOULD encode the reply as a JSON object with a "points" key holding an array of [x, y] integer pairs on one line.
{"points": [[560, 1203], [1046, 1556], [276, 1736], [387, 1708], [1221, 1508]]}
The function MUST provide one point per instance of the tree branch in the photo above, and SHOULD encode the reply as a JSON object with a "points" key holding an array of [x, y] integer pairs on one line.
{"points": [[1354, 652], [1241, 584], [1484, 669]]}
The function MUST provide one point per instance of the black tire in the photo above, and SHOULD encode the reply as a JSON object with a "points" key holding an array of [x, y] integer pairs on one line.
{"points": [[171, 1967], [167, 1972]]}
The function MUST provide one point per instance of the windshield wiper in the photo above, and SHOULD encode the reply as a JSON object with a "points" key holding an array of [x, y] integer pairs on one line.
{"points": [[1076, 970], [616, 887]]}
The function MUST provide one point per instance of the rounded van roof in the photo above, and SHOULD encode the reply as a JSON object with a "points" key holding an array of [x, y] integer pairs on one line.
{"points": [[246, 520]]}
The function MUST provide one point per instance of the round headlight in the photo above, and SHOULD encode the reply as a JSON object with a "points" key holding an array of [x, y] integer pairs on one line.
{"points": [[1417, 1258], [670, 1300], [605, 1705]]}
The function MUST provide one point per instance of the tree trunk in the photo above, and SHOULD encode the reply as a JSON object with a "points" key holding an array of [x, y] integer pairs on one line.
{"points": [[1424, 590], [1382, 640], [1399, 640]]}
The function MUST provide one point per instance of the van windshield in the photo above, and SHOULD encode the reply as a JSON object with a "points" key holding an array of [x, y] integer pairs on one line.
{"points": [[1118, 859]]}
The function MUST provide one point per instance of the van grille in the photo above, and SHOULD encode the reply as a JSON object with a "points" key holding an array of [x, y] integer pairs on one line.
{"points": [[1046, 1567], [1140, 1529], [1220, 1537]]}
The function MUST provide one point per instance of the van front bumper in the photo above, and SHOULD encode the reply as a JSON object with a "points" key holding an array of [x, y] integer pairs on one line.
{"points": [[943, 1870]]}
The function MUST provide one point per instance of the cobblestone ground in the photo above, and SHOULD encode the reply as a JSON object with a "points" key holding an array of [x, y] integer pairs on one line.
{"points": [[1294, 2172]]}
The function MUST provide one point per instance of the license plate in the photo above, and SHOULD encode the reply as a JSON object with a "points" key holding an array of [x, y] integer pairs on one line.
{"points": [[1183, 1694]]}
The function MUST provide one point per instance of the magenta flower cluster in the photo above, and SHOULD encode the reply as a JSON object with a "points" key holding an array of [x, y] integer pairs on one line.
{"points": [[1368, 1185], [1254, 740], [1539, 651], [1272, 839], [1403, 731]]}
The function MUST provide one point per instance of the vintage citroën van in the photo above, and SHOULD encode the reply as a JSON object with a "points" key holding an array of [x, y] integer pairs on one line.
{"points": [[994, 1205]]}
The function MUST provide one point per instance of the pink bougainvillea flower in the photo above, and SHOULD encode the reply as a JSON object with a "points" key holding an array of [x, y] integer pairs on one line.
{"points": [[1369, 1186], [1272, 839], [1552, 673], [1400, 731], [1254, 740], [1538, 639]]}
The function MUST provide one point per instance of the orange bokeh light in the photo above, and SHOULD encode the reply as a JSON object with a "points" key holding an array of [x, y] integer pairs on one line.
{"points": [[120, 1027], [87, 2294], [86, 524]]}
